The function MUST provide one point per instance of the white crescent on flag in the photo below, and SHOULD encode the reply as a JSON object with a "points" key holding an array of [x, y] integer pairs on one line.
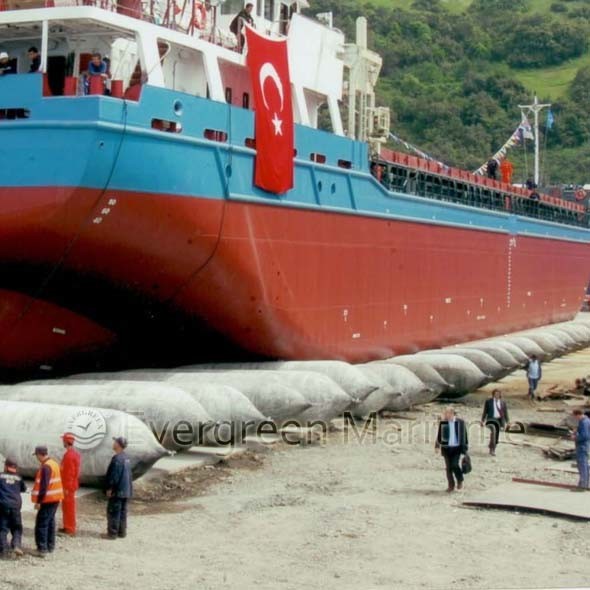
{"points": [[269, 71]]}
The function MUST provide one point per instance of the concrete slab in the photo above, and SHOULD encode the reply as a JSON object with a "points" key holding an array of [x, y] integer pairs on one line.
{"points": [[546, 499]]}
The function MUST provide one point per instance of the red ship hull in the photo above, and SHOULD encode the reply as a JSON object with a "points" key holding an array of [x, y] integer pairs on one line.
{"points": [[113, 270]]}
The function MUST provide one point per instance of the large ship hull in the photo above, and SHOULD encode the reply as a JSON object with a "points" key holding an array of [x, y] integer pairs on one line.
{"points": [[123, 245], [272, 281]]}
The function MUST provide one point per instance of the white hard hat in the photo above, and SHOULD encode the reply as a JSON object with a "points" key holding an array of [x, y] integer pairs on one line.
{"points": [[3, 55]]}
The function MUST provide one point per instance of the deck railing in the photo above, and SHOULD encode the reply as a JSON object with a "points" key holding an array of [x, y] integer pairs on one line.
{"points": [[188, 16], [420, 177], [192, 17]]}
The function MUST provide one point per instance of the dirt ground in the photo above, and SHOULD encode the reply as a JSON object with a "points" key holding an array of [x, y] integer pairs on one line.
{"points": [[347, 513]]}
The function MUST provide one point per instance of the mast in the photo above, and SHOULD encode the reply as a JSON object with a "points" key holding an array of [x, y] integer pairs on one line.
{"points": [[535, 108]]}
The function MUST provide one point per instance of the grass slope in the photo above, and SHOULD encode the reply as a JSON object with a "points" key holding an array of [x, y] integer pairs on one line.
{"points": [[551, 83]]}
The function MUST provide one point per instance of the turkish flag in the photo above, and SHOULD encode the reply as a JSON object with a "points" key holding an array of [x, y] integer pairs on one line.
{"points": [[268, 63]]}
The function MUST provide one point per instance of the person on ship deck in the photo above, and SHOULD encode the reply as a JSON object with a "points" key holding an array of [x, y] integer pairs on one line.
{"points": [[492, 168], [237, 24], [97, 67], [6, 64], [35, 58], [506, 170]]}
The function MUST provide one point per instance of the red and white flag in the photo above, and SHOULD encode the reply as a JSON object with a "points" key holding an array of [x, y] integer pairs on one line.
{"points": [[268, 62]]}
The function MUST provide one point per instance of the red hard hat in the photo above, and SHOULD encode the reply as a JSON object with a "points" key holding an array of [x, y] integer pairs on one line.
{"points": [[69, 438]]}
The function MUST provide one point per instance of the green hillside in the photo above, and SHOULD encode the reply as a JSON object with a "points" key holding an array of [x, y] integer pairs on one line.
{"points": [[457, 6], [454, 72]]}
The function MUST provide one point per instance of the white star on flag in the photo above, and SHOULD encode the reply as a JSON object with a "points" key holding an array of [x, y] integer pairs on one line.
{"points": [[278, 123]]}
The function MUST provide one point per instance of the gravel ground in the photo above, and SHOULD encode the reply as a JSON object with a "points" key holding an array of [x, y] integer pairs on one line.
{"points": [[341, 514]]}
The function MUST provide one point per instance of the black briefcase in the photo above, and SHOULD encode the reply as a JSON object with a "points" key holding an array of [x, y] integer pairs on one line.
{"points": [[466, 464]]}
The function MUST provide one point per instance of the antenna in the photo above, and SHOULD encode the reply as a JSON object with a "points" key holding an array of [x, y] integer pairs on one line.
{"points": [[536, 107]]}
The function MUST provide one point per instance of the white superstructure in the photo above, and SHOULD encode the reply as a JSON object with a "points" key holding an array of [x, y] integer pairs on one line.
{"points": [[181, 46]]}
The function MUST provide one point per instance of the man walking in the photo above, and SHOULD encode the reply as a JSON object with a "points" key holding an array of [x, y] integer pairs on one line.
{"points": [[11, 488], [495, 417], [119, 488], [46, 495], [70, 476], [452, 442], [582, 438], [534, 374]]}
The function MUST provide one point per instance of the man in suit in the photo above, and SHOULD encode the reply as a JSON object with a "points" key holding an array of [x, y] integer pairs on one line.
{"points": [[452, 442], [495, 417]]}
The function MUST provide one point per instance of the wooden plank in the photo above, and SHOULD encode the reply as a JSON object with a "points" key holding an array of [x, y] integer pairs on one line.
{"points": [[524, 443], [548, 430], [537, 482]]}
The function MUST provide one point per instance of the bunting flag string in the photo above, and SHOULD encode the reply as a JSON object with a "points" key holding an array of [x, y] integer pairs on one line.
{"points": [[413, 148], [522, 132]]}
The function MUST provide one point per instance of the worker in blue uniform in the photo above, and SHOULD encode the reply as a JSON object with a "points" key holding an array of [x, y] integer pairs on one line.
{"points": [[119, 489], [582, 439], [11, 488]]}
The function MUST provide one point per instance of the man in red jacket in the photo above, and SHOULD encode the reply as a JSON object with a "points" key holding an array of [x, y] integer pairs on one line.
{"points": [[70, 475]]}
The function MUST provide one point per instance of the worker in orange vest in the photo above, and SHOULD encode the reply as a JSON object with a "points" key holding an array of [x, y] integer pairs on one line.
{"points": [[46, 495], [70, 475], [506, 168]]}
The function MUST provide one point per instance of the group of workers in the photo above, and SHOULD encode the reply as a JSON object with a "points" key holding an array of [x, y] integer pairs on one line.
{"points": [[97, 66], [506, 170], [56, 483], [452, 437]]}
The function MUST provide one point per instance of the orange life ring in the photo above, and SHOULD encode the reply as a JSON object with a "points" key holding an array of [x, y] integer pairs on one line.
{"points": [[200, 20], [580, 194]]}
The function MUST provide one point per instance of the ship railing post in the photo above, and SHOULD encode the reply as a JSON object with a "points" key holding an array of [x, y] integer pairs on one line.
{"points": [[44, 45], [191, 28]]}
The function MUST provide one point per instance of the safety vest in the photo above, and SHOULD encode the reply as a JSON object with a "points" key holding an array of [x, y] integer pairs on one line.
{"points": [[54, 489]]}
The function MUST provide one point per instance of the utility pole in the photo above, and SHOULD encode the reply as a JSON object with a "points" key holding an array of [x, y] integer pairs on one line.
{"points": [[535, 108]]}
